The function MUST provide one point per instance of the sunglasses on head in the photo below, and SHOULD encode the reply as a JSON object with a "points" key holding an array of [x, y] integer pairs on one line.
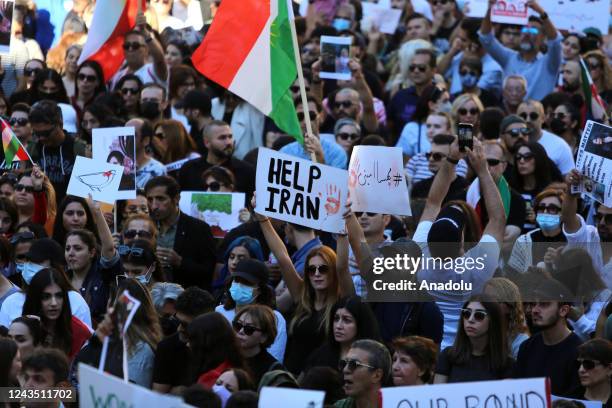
{"points": [[132, 233], [479, 315], [31, 71], [214, 186], [127, 91], [343, 104], [132, 46], [18, 121], [435, 156], [129, 250], [347, 136], [523, 156], [517, 132], [313, 269], [415, 67], [530, 30], [472, 111], [359, 214], [530, 115], [246, 328], [21, 187], [87, 78], [22, 237], [301, 115], [494, 162], [352, 364], [589, 364], [550, 209], [607, 218]]}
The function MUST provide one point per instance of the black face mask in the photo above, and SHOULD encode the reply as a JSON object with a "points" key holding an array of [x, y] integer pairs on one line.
{"points": [[48, 95], [557, 126], [150, 110], [169, 325]]}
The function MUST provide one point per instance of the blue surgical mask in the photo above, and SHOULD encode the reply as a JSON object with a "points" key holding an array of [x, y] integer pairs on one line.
{"points": [[28, 270], [445, 107], [145, 278], [548, 222], [469, 80], [222, 392], [341, 24], [242, 294]]}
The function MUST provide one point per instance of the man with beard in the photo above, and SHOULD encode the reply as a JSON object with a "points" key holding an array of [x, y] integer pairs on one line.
{"points": [[183, 261], [540, 70], [553, 351], [219, 142], [570, 74]]}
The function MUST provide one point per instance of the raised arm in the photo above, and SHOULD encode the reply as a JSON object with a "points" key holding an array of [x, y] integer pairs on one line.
{"points": [[104, 232], [370, 122], [155, 49], [547, 26], [441, 184], [345, 283], [486, 26], [569, 208], [358, 242]]}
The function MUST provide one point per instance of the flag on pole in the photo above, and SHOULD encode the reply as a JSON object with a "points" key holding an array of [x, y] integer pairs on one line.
{"points": [[112, 19], [594, 104], [13, 149], [249, 51]]}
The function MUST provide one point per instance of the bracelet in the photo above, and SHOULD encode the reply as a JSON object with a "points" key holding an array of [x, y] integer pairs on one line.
{"points": [[453, 161]]}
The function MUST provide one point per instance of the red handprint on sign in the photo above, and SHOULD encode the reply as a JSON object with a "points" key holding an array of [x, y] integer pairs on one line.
{"points": [[333, 203], [353, 174]]}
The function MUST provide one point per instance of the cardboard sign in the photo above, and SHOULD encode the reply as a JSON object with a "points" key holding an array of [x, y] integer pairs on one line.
{"points": [[510, 12], [386, 19], [98, 389], [503, 393], [377, 182], [117, 145], [594, 161], [300, 191], [275, 397], [576, 15], [95, 177], [219, 210]]}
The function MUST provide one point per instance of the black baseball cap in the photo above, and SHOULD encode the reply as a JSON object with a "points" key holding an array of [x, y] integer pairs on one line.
{"points": [[253, 271], [45, 249], [196, 99]]}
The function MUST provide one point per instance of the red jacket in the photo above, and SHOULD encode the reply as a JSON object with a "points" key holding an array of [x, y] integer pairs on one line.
{"points": [[209, 378], [80, 335]]}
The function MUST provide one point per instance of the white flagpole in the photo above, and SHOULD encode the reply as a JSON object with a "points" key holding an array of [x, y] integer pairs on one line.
{"points": [[298, 63]]}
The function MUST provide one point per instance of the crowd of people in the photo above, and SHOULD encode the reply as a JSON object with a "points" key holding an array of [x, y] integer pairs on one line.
{"points": [[279, 304]]}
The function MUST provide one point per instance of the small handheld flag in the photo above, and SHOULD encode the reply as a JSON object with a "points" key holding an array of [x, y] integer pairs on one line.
{"points": [[13, 149]]}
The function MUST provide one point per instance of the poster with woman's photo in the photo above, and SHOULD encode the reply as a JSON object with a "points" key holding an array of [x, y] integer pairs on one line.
{"points": [[335, 56], [6, 22], [594, 161], [117, 145]]}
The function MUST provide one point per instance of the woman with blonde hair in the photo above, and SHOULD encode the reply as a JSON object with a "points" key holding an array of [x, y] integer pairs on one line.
{"points": [[172, 143], [509, 297], [467, 108], [601, 73]]}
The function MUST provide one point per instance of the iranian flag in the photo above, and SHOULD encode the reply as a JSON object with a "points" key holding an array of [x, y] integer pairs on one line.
{"points": [[13, 149], [249, 51], [594, 105]]}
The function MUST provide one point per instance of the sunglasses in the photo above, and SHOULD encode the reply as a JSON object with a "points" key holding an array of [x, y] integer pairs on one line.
{"points": [[22, 237], [436, 2], [31, 71], [494, 162], [530, 30], [358, 214], [352, 364], [129, 250], [517, 132], [132, 46], [530, 115], [526, 156], [464, 73], [21, 187], [434, 156], [87, 78], [18, 121], [607, 218], [550, 209], [127, 91], [246, 328], [479, 315], [44, 133], [214, 186], [301, 115], [343, 104], [347, 136], [472, 111], [296, 88], [313, 269], [589, 364], [593, 66], [132, 233], [415, 67]]}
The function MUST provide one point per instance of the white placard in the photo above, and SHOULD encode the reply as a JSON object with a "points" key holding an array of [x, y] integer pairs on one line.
{"points": [[117, 145], [503, 393], [98, 389], [275, 397], [95, 177], [385, 19], [335, 56], [576, 15], [594, 161], [510, 12], [377, 182], [219, 210], [300, 191], [476, 8], [585, 403]]}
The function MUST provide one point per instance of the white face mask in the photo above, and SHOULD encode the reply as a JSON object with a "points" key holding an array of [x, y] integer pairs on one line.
{"points": [[28, 270], [222, 392]]}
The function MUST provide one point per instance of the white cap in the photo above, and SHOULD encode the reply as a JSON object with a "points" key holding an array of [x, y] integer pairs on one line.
{"points": [[69, 117]]}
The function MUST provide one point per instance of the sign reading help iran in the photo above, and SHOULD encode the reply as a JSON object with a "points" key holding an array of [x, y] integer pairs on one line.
{"points": [[377, 182], [532, 393], [300, 191]]}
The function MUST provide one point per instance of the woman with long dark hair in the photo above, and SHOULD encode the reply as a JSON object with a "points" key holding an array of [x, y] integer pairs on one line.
{"points": [[26, 331], [94, 115], [10, 363], [172, 143], [47, 297], [47, 84], [139, 261], [595, 358], [480, 351], [89, 84], [73, 213], [129, 86]]}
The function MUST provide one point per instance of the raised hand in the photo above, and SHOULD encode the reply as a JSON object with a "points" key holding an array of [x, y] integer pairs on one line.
{"points": [[332, 204]]}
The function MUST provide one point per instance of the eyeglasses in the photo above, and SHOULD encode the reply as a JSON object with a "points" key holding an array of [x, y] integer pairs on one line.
{"points": [[301, 115], [589, 364], [530, 115], [343, 104], [517, 132], [21, 187], [22, 237], [530, 30], [127, 91], [472, 111], [494, 162], [525, 156], [313, 269], [87, 78], [415, 67], [132, 46], [44, 133], [358, 214], [214, 186], [607, 218], [593, 65], [435, 156], [479, 315], [347, 136], [18, 121], [132, 233], [559, 115], [129, 250], [246, 328], [550, 209], [31, 71], [352, 364]]}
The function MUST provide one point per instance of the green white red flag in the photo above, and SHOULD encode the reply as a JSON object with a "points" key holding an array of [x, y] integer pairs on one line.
{"points": [[594, 104], [13, 149]]}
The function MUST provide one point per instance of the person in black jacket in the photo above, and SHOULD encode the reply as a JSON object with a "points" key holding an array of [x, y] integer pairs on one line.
{"points": [[185, 245]]}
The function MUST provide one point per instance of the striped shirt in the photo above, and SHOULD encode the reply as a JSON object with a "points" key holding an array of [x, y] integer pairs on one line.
{"points": [[417, 168]]}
